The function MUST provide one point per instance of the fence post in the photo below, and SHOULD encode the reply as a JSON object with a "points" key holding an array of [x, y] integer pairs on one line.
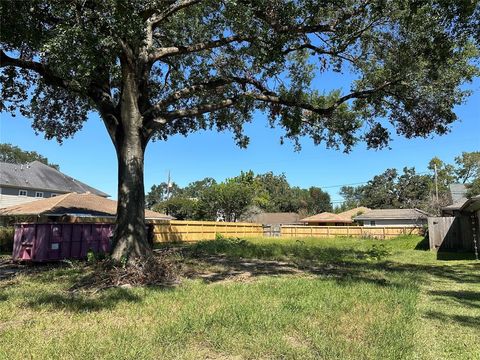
{"points": [[384, 232], [348, 230]]}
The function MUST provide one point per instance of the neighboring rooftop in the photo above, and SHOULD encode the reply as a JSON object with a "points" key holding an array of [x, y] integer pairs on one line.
{"points": [[391, 214], [455, 206], [350, 214], [73, 204], [273, 218], [472, 204], [36, 175], [327, 217], [458, 193]]}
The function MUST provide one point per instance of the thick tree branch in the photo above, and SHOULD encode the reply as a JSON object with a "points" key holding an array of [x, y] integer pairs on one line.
{"points": [[41, 69], [158, 17], [213, 84], [98, 92], [197, 110], [208, 45], [264, 96], [181, 50]]}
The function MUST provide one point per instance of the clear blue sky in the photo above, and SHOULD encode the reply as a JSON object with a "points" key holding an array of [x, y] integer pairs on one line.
{"points": [[90, 156]]}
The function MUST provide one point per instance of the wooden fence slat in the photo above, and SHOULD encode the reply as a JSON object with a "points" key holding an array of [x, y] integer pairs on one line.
{"points": [[384, 232], [179, 230]]}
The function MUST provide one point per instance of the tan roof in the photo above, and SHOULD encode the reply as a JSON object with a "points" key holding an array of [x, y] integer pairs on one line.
{"points": [[72, 204], [327, 217], [354, 212], [378, 214]]}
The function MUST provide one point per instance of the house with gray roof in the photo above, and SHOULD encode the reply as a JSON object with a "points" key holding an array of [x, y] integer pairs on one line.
{"points": [[458, 196], [22, 183], [393, 217], [458, 192]]}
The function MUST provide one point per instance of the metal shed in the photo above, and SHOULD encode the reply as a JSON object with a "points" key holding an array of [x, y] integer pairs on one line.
{"points": [[57, 241]]}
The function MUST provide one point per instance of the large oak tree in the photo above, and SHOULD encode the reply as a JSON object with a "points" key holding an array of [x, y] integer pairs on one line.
{"points": [[152, 69]]}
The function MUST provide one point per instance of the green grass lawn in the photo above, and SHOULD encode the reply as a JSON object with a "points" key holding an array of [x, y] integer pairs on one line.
{"points": [[262, 298]]}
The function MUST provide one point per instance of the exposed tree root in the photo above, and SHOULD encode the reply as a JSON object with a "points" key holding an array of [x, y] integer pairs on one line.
{"points": [[159, 269]]}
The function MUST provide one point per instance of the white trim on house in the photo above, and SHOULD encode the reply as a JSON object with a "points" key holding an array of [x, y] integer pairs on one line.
{"points": [[39, 194], [22, 192], [11, 200]]}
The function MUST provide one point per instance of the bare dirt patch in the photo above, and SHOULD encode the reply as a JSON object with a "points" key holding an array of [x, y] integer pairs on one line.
{"points": [[221, 268], [9, 269]]}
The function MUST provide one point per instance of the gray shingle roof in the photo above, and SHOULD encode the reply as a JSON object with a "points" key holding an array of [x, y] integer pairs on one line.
{"points": [[274, 218], [458, 192], [456, 205], [392, 214], [37, 175]]}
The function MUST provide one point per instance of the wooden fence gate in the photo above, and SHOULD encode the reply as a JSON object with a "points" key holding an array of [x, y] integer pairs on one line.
{"points": [[450, 233]]}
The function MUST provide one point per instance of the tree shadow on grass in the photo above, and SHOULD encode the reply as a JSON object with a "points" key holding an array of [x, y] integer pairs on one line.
{"points": [[463, 298], [83, 302], [451, 256], [464, 320], [227, 259], [216, 261], [220, 268]]}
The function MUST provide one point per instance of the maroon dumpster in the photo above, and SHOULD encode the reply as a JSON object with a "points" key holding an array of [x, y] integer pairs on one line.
{"points": [[57, 241]]}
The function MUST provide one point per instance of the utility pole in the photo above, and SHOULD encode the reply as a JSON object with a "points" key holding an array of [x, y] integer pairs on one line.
{"points": [[169, 185]]}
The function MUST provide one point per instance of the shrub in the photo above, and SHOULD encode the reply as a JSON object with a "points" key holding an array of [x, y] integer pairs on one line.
{"points": [[6, 238]]}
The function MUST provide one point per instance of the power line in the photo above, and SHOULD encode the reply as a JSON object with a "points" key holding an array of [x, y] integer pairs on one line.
{"points": [[363, 182]]}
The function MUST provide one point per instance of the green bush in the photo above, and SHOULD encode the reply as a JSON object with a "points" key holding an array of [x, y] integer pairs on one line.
{"points": [[6, 239]]}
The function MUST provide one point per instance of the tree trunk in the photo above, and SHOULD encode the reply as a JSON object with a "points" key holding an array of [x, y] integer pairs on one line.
{"points": [[130, 236]]}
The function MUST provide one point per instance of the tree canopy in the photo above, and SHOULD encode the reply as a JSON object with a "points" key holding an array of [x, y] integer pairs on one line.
{"points": [[154, 68], [391, 190], [13, 154], [201, 64], [410, 189], [239, 197]]}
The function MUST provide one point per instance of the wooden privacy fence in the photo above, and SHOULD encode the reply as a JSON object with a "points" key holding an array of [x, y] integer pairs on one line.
{"points": [[180, 230], [450, 233], [378, 232]]}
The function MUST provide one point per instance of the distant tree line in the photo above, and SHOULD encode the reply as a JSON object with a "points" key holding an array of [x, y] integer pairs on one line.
{"points": [[247, 193], [236, 198], [409, 189], [13, 154]]}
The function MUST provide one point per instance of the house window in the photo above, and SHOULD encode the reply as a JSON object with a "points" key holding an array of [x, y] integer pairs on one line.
{"points": [[372, 223], [39, 194], [22, 192], [53, 195]]}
